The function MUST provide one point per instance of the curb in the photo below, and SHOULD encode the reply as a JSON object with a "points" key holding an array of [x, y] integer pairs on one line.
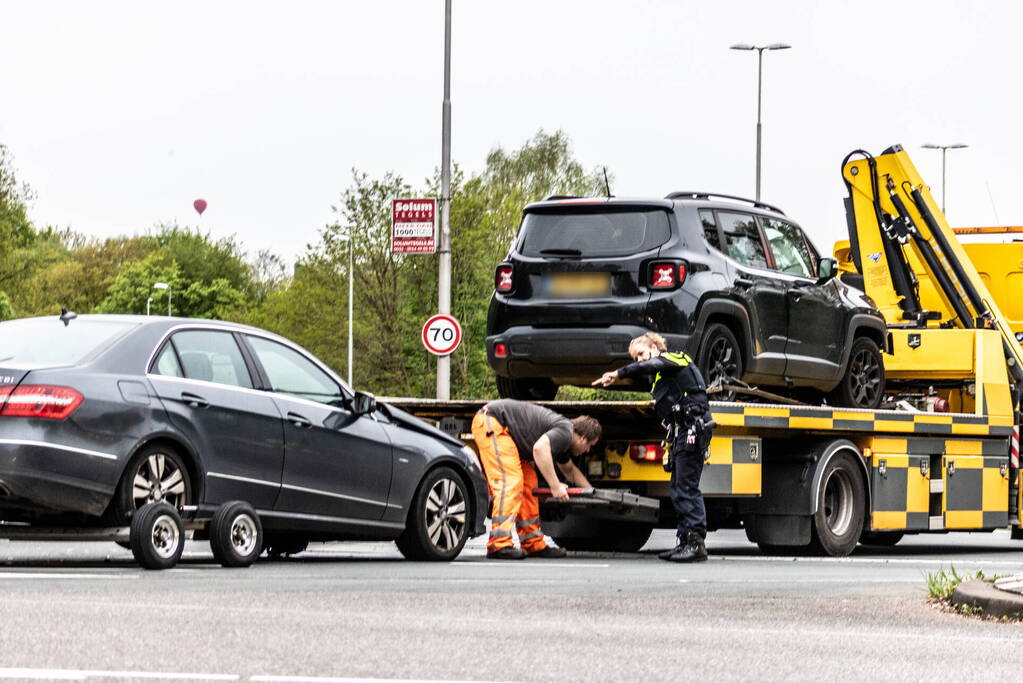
{"points": [[994, 602]]}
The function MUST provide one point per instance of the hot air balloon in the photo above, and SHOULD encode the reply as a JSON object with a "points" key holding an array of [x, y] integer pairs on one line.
{"points": [[200, 205]]}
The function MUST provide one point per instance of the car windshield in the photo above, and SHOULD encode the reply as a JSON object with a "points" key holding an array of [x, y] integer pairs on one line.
{"points": [[47, 341], [592, 234]]}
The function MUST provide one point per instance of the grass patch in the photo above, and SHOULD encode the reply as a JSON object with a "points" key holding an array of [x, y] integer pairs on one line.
{"points": [[941, 584]]}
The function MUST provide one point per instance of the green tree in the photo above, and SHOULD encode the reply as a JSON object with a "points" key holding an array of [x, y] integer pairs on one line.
{"points": [[133, 287], [6, 310]]}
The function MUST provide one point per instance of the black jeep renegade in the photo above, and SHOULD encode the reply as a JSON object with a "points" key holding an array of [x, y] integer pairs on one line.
{"points": [[732, 281]]}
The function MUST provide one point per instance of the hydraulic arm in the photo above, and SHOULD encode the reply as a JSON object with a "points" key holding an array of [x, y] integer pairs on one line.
{"points": [[909, 256]]}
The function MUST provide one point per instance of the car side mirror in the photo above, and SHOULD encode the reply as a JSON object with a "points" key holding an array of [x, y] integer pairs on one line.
{"points": [[826, 269], [363, 403]]}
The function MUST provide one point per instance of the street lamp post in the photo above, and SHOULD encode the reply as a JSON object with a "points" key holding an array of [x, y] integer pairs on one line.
{"points": [[164, 285], [444, 274], [760, 74], [149, 303], [351, 292], [944, 149]]}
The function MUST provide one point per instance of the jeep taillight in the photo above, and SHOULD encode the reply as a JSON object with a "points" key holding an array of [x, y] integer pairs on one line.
{"points": [[504, 278], [39, 400], [666, 274]]}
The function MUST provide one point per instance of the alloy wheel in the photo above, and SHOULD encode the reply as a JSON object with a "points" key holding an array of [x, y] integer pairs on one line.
{"points": [[158, 479], [722, 365], [165, 536], [864, 379], [445, 514], [244, 535]]}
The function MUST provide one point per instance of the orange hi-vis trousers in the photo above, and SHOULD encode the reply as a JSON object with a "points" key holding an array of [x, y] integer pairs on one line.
{"points": [[512, 481]]}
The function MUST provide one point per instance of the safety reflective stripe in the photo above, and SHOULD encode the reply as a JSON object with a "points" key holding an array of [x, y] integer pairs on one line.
{"points": [[497, 454], [501, 519], [682, 359], [527, 522], [530, 535], [494, 533]]}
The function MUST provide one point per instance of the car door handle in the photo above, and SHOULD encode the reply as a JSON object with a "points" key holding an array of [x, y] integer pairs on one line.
{"points": [[194, 400], [743, 282], [299, 421], [795, 294]]}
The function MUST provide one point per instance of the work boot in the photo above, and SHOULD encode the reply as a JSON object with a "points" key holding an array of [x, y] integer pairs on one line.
{"points": [[666, 555], [692, 551], [549, 552], [509, 553]]}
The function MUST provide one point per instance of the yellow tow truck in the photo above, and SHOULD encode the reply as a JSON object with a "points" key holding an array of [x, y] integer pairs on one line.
{"points": [[942, 456]]}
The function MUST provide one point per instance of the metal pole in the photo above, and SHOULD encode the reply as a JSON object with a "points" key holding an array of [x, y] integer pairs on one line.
{"points": [[149, 303], [760, 77], [351, 291], [444, 276], [943, 151], [170, 292]]}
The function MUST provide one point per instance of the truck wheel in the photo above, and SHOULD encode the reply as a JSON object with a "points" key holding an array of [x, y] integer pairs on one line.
{"points": [[528, 389], [157, 536], [604, 536], [236, 534], [719, 358], [1016, 533], [838, 521], [436, 528], [884, 539], [863, 383]]}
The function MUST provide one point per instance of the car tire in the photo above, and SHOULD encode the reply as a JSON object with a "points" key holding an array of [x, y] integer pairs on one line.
{"points": [[157, 536], [862, 385], [719, 357], [437, 526], [155, 474], [602, 536], [528, 389], [236, 534], [841, 499], [881, 539]]}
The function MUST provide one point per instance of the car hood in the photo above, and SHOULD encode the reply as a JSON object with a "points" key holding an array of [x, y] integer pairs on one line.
{"points": [[409, 421]]}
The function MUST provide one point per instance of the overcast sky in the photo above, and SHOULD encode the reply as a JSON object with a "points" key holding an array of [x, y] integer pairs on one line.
{"points": [[120, 114]]}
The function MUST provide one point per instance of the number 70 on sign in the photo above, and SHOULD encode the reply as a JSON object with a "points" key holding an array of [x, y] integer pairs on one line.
{"points": [[442, 334]]}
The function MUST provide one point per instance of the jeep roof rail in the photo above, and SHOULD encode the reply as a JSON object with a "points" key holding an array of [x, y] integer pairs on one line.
{"points": [[554, 197], [686, 194]]}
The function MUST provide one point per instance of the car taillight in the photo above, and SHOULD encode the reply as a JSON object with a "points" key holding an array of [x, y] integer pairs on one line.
{"points": [[667, 274], [39, 400], [647, 452], [503, 280], [501, 350]]}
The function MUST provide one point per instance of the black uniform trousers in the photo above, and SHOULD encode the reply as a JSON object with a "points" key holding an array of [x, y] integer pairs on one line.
{"points": [[685, 493]]}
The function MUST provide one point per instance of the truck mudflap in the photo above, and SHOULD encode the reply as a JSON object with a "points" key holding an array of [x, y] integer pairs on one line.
{"points": [[615, 504]]}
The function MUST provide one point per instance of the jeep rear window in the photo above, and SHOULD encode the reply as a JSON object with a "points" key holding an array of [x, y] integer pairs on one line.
{"points": [[592, 234]]}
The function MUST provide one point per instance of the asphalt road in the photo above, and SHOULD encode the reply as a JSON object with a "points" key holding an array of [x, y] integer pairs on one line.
{"points": [[358, 612]]}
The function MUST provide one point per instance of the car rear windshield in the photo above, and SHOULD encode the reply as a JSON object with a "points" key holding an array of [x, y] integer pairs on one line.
{"points": [[593, 234], [42, 342]]}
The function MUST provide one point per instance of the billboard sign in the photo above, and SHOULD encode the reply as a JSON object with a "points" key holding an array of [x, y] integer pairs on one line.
{"points": [[414, 226]]}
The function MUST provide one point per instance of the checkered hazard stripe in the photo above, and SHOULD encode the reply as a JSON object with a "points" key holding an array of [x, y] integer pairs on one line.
{"points": [[871, 421]]}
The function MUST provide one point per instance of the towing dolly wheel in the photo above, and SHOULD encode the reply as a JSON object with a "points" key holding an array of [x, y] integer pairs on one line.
{"points": [[236, 534], [157, 536]]}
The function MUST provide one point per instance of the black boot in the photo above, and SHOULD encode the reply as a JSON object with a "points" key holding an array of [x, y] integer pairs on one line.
{"points": [[666, 555], [692, 551]]}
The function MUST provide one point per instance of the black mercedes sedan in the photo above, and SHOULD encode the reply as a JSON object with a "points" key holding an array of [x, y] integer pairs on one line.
{"points": [[100, 415]]}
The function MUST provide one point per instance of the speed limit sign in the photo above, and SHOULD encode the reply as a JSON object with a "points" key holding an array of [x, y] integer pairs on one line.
{"points": [[442, 334]]}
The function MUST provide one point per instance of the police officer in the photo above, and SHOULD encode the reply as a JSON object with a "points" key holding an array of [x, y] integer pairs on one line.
{"points": [[680, 399]]}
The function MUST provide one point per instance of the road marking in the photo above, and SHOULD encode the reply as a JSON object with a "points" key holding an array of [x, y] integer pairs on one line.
{"points": [[84, 675], [868, 560], [529, 564], [59, 575], [328, 679]]}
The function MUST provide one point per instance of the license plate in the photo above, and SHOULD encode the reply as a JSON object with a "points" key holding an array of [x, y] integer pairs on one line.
{"points": [[579, 284]]}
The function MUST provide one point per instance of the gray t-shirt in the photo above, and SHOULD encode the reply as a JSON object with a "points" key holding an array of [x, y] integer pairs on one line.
{"points": [[527, 423]]}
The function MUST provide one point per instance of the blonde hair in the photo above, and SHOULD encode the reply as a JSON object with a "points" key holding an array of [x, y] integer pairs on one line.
{"points": [[651, 340]]}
